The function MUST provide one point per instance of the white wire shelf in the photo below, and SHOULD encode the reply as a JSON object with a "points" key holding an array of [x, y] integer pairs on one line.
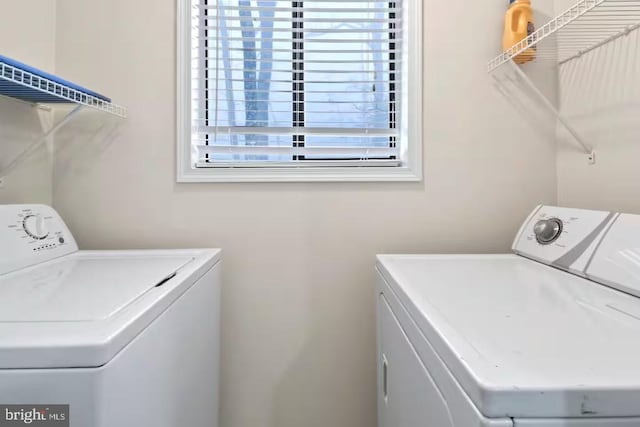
{"points": [[584, 27], [22, 84]]}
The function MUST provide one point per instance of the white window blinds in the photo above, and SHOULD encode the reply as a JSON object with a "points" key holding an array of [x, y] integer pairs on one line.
{"points": [[296, 83]]}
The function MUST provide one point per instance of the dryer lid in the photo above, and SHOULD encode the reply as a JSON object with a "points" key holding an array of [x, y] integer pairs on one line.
{"points": [[82, 288]]}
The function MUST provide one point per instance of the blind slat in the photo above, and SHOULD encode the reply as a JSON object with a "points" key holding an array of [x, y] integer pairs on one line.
{"points": [[307, 81], [306, 50], [298, 151], [273, 19], [293, 131], [280, 70], [353, 92], [311, 30], [221, 110], [289, 40], [315, 61], [308, 9], [298, 163]]}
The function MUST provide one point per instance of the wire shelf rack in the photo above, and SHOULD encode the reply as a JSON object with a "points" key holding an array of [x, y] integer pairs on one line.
{"points": [[584, 27], [30, 87]]}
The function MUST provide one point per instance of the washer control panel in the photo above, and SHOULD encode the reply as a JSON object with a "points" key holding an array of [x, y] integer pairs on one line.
{"points": [[31, 234], [563, 237]]}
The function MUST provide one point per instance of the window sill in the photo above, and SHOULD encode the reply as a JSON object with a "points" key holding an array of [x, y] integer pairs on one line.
{"points": [[331, 174]]}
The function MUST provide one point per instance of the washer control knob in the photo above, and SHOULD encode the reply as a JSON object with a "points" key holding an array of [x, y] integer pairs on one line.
{"points": [[35, 227], [547, 231]]}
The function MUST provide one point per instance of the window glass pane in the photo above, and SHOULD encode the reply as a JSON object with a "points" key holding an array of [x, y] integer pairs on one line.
{"points": [[254, 64], [293, 65], [350, 87]]}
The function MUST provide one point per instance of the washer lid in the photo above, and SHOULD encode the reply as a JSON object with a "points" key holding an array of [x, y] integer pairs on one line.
{"points": [[524, 339], [85, 288], [80, 310]]}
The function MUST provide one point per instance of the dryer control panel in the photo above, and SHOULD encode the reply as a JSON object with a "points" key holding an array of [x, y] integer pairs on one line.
{"points": [[31, 234], [601, 246], [562, 237], [616, 262]]}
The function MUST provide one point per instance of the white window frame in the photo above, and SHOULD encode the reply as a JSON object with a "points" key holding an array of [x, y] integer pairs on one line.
{"points": [[411, 120]]}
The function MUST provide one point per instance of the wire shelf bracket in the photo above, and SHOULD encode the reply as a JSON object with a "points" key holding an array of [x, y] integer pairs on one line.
{"points": [[559, 116], [42, 139], [21, 82]]}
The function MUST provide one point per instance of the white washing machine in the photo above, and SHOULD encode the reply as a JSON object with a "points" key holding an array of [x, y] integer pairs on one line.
{"points": [[125, 338], [546, 337]]}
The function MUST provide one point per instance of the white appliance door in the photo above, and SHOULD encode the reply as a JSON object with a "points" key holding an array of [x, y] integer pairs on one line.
{"points": [[407, 395]]}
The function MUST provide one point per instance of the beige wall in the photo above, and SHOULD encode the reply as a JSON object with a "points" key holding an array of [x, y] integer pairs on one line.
{"points": [[601, 96], [298, 301], [27, 33]]}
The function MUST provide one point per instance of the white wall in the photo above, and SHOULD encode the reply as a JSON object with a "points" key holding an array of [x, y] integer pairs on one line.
{"points": [[27, 33], [298, 316], [601, 96]]}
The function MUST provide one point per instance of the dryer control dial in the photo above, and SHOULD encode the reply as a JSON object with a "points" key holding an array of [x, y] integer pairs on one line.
{"points": [[548, 231], [35, 227]]}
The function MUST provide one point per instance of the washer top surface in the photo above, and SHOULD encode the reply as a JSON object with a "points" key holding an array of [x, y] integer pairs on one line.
{"points": [[522, 338], [82, 287], [81, 309]]}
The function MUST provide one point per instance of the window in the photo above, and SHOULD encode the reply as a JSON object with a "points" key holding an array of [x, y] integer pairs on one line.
{"points": [[314, 90]]}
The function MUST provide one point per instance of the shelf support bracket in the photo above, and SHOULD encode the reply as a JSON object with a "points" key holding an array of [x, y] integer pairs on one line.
{"points": [[40, 141], [523, 76]]}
